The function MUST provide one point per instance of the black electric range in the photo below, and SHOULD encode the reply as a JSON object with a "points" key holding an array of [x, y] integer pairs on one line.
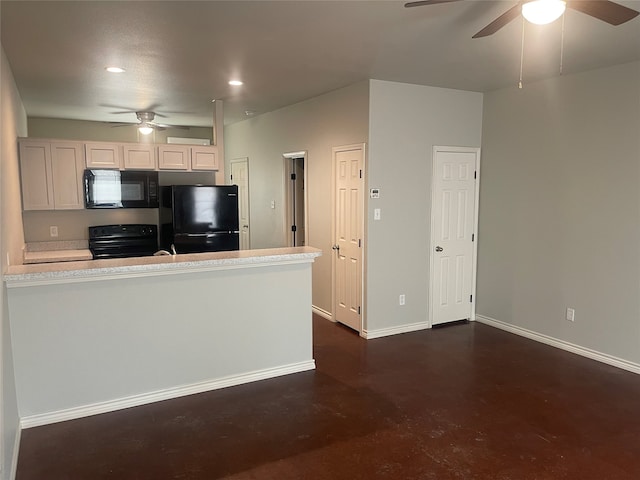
{"points": [[119, 241]]}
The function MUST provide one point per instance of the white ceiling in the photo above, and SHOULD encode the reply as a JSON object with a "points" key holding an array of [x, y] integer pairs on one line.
{"points": [[180, 54]]}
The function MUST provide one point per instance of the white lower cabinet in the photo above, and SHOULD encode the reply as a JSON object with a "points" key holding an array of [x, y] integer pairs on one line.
{"points": [[51, 175]]}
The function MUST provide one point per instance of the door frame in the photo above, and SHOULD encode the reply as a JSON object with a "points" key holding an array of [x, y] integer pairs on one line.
{"points": [[287, 160], [433, 241], [363, 206]]}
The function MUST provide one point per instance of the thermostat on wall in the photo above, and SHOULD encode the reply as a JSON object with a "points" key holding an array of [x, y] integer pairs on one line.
{"points": [[374, 193]]}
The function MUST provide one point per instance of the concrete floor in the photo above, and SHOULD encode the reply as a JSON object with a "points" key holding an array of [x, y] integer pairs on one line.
{"points": [[461, 402]]}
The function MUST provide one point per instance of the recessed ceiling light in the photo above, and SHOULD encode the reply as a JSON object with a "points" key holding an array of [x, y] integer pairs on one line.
{"points": [[235, 83], [114, 69]]}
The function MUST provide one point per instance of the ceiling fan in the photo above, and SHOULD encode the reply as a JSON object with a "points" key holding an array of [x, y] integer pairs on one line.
{"points": [[610, 12], [146, 124]]}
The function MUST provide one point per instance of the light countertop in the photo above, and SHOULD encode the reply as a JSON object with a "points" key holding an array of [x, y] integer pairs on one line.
{"points": [[51, 256], [56, 251], [87, 270]]}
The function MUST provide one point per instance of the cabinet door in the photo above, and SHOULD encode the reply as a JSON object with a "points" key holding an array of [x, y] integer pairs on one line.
{"points": [[103, 155], [140, 157], [35, 175], [173, 157], [67, 167], [204, 158]]}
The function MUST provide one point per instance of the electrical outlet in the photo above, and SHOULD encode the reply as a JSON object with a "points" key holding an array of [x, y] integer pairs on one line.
{"points": [[401, 299], [571, 314], [273, 204], [53, 231]]}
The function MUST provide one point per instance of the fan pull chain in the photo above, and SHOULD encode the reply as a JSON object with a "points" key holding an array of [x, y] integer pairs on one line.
{"points": [[521, 55], [562, 46]]}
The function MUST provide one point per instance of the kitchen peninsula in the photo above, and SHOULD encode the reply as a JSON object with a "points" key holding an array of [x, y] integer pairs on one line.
{"points": [[94, 336]]}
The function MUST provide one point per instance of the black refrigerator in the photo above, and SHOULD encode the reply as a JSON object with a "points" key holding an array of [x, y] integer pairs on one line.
{"points": [[199, 218]]}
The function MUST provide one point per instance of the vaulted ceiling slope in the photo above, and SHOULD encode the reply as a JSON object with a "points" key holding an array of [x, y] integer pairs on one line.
{"points": [[178, 55]]}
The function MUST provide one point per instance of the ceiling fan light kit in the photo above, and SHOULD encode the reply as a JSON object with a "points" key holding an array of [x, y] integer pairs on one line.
{"points": [[542, 12], [604, 10], [145, 129], [146, 124]]}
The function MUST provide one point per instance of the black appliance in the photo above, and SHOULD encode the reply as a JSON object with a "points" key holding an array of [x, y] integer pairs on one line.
{"points": [[118, 241], [199, 218], [120, 189]]}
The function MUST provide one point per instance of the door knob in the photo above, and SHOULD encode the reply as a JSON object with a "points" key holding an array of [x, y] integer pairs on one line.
{"points": [[336, 247], [439, 249]]}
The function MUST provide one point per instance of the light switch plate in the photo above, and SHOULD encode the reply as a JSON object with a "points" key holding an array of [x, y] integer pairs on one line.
{"points": [[571, 314]]}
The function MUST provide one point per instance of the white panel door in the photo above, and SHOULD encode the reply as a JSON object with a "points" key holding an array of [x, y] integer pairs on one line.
{"points": [[453, 233], [240, 177], [348, 163]]}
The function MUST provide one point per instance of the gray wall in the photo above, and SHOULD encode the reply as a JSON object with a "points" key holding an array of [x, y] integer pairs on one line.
{"points": [[316, 125], [104, 132], [13, 123], [171, 331], [406, 121], [560, 209]]}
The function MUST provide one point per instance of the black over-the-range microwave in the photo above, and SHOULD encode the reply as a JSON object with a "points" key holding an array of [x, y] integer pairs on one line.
{"points": [[120, 189]]}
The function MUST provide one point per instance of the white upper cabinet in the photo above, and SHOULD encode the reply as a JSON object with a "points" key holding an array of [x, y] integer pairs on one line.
{"points": [[51, 175], [67, 168], [187, 157], [103, 155], [35, 175], [173, 157], [204, 158], [140, 157]]}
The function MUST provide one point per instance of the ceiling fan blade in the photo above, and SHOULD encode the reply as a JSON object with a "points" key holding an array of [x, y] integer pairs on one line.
{"points": [[610, 12], [162, 126], [501, 21], [118, 124], [427, 2]]}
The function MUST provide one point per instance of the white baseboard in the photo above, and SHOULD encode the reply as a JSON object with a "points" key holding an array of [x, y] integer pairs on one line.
{"points": [[16, 451], [322, 313], [567, 346], [385, 332], [145, 398]]}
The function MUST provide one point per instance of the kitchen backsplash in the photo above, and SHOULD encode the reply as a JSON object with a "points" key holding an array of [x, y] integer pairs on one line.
{"points": [[74, 224]]}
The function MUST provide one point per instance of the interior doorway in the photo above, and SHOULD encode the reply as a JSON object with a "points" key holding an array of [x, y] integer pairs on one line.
{"points": [[240, 176], [295, 181]]}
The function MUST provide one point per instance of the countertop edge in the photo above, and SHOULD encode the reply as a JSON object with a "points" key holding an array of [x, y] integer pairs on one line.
{"points": [[95, 270]]}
